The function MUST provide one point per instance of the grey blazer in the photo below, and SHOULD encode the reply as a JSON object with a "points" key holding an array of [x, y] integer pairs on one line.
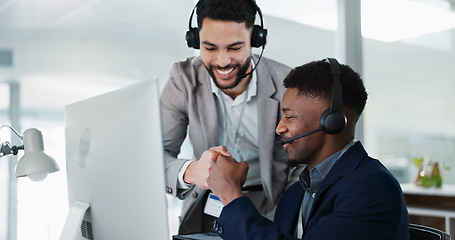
{"points": [[188, 102]]}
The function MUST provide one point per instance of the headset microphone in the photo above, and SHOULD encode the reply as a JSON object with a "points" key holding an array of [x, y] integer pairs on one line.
{"points": [[297, 137], [252, 70]]}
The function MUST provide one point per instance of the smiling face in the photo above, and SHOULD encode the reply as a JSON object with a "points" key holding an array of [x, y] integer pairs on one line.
{"points": [[226, 52], [301, 114]]}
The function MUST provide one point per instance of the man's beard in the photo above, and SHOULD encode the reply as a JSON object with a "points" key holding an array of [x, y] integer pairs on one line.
{"points": [[242, 71]]}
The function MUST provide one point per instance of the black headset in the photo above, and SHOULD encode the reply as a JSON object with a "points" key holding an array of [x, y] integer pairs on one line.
{"points": [[258, 38], [333, 120]]}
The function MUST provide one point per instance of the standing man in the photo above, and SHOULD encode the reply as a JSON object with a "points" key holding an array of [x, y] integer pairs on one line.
{"points": [[342, 193], [228, 100]]}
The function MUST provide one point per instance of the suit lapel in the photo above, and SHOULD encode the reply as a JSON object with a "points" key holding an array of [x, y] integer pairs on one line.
{"points": [[343, 166], [267, 119], [288, 218], [207, 108]]}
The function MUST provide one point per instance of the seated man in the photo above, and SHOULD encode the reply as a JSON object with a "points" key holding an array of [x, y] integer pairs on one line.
{"points": [[342, 193]]}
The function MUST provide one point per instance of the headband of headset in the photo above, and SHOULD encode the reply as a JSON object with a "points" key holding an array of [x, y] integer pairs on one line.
{"points": [[258, 37], [333, 120]]}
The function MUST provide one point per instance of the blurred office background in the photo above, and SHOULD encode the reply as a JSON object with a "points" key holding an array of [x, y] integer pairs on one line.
{"points": [[53, 53]]}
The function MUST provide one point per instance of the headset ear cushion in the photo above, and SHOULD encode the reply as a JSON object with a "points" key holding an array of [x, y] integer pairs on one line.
{"points": [[259, 36], [332, 122], [192, 38]]}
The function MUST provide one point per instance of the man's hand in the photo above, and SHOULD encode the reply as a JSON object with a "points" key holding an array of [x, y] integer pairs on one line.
{"points": [[227, 177], [198, 171]]}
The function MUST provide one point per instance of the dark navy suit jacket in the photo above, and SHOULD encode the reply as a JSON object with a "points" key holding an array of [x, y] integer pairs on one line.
{"points": [[358, 199]]}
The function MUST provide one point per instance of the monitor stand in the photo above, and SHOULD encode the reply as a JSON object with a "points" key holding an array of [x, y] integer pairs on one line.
{"points": [[72, 228]]}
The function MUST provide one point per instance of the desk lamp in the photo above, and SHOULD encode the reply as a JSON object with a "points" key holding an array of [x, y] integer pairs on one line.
{"points": [[35, 163]]}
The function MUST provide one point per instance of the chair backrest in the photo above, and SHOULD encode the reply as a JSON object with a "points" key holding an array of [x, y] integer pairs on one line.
{"points": [[420, 232]]}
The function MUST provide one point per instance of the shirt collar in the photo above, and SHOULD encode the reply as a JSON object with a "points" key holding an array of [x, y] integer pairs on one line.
{"points": [[323, 168]]}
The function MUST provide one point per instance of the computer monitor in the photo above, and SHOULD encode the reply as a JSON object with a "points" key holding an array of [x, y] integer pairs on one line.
{"points": [[115, 166]]}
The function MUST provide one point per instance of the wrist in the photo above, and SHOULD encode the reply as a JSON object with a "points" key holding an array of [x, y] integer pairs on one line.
{"points": [[181, 183], [187, 175], [227, 198]]}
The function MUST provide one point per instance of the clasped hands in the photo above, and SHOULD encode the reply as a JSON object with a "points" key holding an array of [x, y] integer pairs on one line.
{"points": [[218, 171]]}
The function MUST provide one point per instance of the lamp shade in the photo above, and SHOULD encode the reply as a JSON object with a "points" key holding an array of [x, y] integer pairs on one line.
{"points": [[35, 163]]}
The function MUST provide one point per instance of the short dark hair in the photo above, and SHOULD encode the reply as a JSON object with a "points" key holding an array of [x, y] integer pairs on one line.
{"points": [[314, 79], [229, 10]]}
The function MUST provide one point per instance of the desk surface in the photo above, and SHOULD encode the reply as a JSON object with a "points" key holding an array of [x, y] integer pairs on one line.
{"points": [[447, 190]]}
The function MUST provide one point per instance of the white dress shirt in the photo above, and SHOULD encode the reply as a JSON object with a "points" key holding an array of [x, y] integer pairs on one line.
{"points": [[238, 131]]}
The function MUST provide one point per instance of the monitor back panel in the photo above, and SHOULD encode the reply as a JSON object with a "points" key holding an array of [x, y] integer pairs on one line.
{"points": [[115, 162]]}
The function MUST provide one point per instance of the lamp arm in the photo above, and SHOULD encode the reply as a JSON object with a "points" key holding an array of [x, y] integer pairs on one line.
{"points": [[17, 148], [12, 129], [6, 149]]}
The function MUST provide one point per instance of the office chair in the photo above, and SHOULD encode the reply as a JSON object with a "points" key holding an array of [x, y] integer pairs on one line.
{"points": [[419, 232]]}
